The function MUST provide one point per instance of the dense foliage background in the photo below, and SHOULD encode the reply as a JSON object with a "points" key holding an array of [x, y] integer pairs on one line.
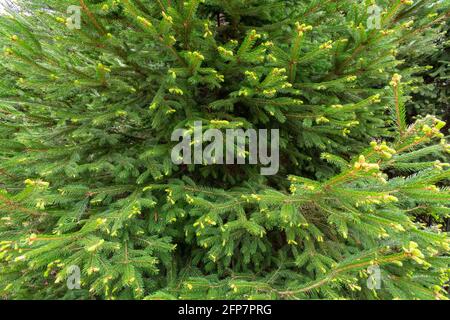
{"points": [[86, 177]]}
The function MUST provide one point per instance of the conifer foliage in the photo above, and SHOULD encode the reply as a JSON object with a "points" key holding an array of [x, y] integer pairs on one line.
{"points": [[87, 180]]}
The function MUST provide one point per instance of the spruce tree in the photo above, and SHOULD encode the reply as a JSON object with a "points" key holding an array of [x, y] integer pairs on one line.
{"points": [[433, 96], [87, 180]]}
